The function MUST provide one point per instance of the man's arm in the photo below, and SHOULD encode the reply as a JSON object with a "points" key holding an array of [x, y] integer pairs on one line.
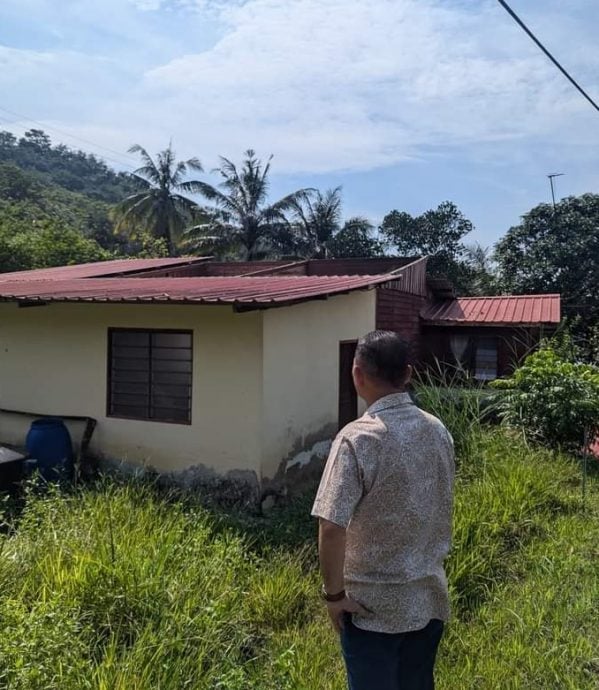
{"points": [[338, 495], [331, 551]]}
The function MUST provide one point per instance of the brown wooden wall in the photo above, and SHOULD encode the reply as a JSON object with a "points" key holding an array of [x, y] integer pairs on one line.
{"points": [[219, 269], [514, 344], [354, 266], [400, 312], [189, 271]]}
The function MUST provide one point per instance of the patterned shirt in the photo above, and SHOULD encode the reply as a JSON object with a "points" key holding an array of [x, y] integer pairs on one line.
{"points": [[389, 482]]}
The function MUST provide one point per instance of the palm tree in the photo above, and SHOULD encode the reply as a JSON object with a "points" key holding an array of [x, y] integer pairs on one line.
{"points": [[160, 206], [318, 216], [479, 263], [241, 221]]}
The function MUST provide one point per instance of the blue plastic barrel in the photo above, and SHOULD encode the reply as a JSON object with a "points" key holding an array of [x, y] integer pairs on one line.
{"points": [[49, 443]]}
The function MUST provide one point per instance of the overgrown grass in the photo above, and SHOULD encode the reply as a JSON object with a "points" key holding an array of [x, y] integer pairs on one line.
{"points": [[117, 587], [114, 587]]}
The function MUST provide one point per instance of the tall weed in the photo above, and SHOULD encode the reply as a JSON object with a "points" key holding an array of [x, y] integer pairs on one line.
{"points": [[463, 410]]}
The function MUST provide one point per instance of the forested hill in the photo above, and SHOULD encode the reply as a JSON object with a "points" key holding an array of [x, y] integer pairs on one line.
{"points": [[75, 171], [55, 205]]}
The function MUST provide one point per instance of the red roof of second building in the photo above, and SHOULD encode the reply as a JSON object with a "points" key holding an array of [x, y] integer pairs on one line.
{"points": [[257, 292], [507, 310]]}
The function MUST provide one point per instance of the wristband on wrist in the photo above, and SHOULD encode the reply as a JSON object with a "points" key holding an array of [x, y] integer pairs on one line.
{"points": [[331, 598]]}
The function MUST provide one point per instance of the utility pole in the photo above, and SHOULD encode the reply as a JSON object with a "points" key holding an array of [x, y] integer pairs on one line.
{"points": [[551, 176]]}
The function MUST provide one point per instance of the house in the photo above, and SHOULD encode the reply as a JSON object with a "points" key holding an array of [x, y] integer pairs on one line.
{"points": [[487, 336], [206, 369]]}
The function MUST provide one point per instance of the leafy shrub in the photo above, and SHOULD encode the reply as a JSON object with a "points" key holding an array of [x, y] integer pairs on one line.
{"points": [[554, 401], [52, 244]]}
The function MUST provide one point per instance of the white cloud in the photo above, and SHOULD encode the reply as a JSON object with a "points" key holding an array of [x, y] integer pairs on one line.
{"points": [[53, 81], [147, 5], [334, 84], [17, 63], [330, 84], [190, 5]]}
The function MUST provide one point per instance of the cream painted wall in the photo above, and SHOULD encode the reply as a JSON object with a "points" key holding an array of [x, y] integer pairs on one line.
{"points": [[301, 369], [263, 382], [53, 360]]}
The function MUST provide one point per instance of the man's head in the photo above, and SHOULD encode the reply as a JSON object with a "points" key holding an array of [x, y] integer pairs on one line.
{"points": [[380, 365]]}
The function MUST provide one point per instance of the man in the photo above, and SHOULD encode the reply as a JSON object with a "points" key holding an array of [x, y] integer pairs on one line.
{"points": [[385, 506]]}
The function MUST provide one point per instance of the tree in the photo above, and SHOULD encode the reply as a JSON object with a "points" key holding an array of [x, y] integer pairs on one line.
{"points": [[241, 222], [8, 142], [48, 243], [479, 261], [161, 207], [556, 251], [438, 234], [36, 139], [317, 216], [356, 239], [13, 256], [16, 185]]}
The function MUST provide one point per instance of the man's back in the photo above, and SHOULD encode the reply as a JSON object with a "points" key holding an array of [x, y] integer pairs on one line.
{"points": [[389, 481]]}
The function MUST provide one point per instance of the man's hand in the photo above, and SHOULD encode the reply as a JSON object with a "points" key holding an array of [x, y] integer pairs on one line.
{"points": [[337, 609], [331, 549]]}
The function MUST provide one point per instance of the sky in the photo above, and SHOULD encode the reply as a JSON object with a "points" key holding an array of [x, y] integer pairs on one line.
{"points": [[405, 103]]}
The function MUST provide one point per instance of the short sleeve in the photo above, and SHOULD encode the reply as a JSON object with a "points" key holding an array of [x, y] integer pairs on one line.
{"points": [[341, 486], [451, 441]]}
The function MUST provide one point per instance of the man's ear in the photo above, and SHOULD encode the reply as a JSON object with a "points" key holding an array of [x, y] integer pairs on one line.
{"points": [[357, 375], [409, 373]]}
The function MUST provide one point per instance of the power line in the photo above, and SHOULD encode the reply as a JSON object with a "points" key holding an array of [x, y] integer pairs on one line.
{"points": [[60, 131], [11, 123], [73, 136], [571, 79]]}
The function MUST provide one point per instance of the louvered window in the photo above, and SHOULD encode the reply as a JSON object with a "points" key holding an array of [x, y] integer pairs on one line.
{"points": [[150, 375]]}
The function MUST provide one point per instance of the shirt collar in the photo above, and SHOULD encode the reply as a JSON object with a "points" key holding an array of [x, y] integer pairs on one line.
{"points": [[389, 401]]}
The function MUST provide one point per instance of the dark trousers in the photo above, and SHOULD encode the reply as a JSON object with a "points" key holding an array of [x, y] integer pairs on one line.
{"points": [[383, 661]]}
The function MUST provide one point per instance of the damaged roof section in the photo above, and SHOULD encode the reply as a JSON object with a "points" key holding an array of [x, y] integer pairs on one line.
{"points": [[200, 280], [241, 292]]}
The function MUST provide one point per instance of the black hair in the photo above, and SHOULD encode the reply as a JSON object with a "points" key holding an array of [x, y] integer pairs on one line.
{"points": [[384, 356]]}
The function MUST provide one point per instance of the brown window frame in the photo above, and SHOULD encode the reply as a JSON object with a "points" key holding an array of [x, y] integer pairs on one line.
{"points": [[151, 414]]}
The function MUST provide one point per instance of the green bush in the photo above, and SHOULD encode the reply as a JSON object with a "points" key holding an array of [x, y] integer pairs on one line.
{"points": [[554, 401]]}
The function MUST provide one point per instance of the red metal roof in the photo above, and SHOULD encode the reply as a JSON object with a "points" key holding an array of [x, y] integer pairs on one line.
{"points": [[251, 292], [508, 310], [99, 269]]}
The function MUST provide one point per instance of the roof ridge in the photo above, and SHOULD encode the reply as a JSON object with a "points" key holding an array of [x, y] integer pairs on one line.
{"points": [[544, 295]]}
